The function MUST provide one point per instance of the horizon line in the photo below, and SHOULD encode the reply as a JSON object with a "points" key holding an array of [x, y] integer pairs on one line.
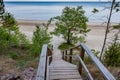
{"points": [[60, 1]]}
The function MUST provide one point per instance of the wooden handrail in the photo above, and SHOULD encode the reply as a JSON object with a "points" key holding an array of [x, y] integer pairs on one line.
{"points": [[85, 68], [42, 72], [103, 70]]}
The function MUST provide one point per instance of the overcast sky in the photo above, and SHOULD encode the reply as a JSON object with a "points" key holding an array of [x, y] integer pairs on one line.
{"points": [[59, 0]]}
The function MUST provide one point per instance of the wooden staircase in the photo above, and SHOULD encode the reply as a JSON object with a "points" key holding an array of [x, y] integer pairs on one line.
{"points": [[62, 70], [53, 65]]}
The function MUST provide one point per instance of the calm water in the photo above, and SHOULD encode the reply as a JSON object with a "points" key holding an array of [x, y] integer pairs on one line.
{"points": [[46, 10]]}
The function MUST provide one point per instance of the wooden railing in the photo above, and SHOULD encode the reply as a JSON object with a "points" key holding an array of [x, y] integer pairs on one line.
{"points": [[45, 60], [84, 49]]}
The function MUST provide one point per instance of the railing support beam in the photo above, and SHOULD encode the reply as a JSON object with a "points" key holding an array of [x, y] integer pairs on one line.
{"points": [[70, 58], [63, 55], [82, 53], [66, 55]]}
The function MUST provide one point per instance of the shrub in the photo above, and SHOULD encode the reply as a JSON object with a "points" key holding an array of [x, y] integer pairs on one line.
{"points": [[95, 52], [116, 26], [40, 37], [10, 34], [14, 55], [9, 22], [4, 39], [20, 39], [112, 55]]}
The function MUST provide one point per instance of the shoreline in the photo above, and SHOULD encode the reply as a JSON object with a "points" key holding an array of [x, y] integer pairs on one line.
{"points": [[39, 22]]}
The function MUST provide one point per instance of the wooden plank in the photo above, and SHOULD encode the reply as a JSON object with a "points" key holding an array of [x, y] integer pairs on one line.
{"points": [[64, 66], [70, 79], [65, 73], [41, 73], [62, 70], [65, 77]]}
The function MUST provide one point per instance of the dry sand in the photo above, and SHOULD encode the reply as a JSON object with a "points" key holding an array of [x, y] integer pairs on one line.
{"points": [[94, 37]]}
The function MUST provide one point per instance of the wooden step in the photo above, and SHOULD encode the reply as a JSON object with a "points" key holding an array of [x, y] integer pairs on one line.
{"points": [[62, 70]]}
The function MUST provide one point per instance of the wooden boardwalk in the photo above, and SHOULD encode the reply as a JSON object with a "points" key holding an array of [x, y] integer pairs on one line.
{"points": [[62, 70]]}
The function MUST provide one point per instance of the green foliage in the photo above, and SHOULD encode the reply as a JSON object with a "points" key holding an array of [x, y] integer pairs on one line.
{"points": [[14, 55], [95, 10], [4, 39], [10, 34], [9, 22], [65, 46], [88, 60], [21, 39], [71, 23], [21, 64], [116, 26], [46, 25], [116, 6], [40, 37], [112, 55], [95, 52], [14, 43]]}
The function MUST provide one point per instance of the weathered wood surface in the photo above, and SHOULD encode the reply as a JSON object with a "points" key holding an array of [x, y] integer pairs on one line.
{"points": [[41, 73], [104, 71], [62, 70], [84, 49]]}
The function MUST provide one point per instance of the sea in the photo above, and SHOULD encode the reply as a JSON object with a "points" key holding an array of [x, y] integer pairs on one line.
{"points": [[47, 10]]}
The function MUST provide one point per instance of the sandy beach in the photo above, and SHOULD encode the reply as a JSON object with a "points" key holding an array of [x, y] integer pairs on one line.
{"points": [[94, 37]]}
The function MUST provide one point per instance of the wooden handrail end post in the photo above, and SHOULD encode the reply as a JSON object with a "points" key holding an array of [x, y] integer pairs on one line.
{"points": [[63, 55], [66, 55], [82, 53], [70, 58]]}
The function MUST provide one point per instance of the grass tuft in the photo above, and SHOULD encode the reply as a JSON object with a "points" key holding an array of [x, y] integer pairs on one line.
{"points": [[65, 46], [116, 26]]}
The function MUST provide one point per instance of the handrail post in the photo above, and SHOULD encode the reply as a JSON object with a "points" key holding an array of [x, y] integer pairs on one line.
{"points": [[63, 55], [66, 55], [70, 58], [49, 53], [82, 52], [43, 66]]}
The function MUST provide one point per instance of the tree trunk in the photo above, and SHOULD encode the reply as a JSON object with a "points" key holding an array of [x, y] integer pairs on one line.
{"points": [[68, 37], [107, 29]]}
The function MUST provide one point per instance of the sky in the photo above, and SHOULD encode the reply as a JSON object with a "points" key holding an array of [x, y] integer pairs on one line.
{"points": [[58, 0]]}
